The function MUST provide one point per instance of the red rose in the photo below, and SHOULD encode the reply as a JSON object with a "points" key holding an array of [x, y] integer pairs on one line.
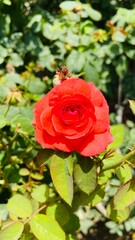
{"points": [[73, 116]]}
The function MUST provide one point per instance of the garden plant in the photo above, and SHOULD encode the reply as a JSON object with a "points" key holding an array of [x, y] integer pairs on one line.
{"points": [[67, 131]]}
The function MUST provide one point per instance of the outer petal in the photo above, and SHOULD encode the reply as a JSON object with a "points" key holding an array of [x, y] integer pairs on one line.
{"points": [[96, 145], [39, 108], [43, 138], [102, 119], [78, 85], [67, 145], [47, 141], [97, 97], [46, 121]]}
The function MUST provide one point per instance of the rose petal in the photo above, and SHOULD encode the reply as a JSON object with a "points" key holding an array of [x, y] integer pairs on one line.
{"points": [[93, 145], [47, 122], [60, 127], [97, 97], [77, 85], [39, 108], [67, 145], [102, 120], [44, 139], [58, 92]]}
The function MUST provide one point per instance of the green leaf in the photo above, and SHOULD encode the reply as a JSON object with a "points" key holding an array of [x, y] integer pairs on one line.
{"points": [[46, 228], [16, 60], [24, 172], [132, 105], [130, 158], [70, 5], [20, 206], [44, 155], [114, 49], [85, 174], [40, 193], [59, 212], [73, 40], [121, 66], [130, 51], [118, 136], [118, 36], [3, 212], [92, 13], [34, 19], [5, 21], [7, 2], [26, 124], [112, 162], [3, 54], [72, 225], [117, 215], [13, 231], [125, 195], [124, 173], [61, 168], [91, 74], [13, 78], [51, 32], [3, 122], [36, 86], [75, 61], [81, 198], [36, 175], [104, 176]]}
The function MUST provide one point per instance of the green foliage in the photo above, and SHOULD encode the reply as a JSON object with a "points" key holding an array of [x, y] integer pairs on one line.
{"points": [[85, 175], [19, 206], [61, 169], [42, 226], [42, 191], [13, 231]]}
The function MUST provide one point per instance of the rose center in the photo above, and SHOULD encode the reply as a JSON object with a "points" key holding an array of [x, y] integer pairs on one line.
{"points": [[72, 114]]}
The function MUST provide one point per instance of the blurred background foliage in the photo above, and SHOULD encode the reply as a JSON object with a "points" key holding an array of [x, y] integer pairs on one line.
{"points": [[96, 41]]}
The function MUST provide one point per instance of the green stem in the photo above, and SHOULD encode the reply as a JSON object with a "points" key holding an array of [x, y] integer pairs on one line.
{"points": [[129, 158], [108, 164], [8, 107]]}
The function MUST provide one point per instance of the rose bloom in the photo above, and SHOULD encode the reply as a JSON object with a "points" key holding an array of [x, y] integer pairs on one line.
{"points": [[73, 116]]}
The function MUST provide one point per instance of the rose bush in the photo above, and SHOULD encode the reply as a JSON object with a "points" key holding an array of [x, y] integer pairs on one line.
{"points": [[73, 116]]}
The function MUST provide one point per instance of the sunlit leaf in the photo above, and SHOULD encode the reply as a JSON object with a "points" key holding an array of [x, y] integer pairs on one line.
{"points": [[46, 228], [125, 196], [112, 162], [70, 5], [40, 193], [124, 173], [3, 211], [20, 206], [118, 136], [132, 105], [117, 215], [61, 169], [75, 61], [3, 121], [13, 231], [92, 13]]}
